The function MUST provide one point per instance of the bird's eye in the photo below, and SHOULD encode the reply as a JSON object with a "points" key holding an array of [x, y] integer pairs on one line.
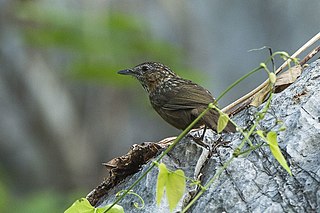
{"points": [[145, 68]]}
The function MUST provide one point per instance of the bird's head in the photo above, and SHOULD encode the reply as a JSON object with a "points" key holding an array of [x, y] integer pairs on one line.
{"points": [[150, 74]]}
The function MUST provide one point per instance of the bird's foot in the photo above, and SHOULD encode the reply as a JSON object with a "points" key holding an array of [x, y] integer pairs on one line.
{"points": [[221, 143], [200, 139]]}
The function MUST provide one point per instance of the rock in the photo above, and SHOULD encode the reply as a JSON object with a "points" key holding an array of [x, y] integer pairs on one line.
{"points": [[255, 182]]}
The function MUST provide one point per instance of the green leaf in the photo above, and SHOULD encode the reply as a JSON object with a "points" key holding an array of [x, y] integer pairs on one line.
{"points": [[222, 122], [161, 182], [276, 152], [173, 182], [175, 187], [83, 206], [211, 105], [261, 134], [284, 55], [263, 65], [272, 77], [115, 209]]}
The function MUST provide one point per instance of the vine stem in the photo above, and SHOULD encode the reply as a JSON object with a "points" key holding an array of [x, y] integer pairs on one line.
{"points": [[234, 155], [203, 189], [299, 51], [237, 81], [261, 86], [182, 134]]}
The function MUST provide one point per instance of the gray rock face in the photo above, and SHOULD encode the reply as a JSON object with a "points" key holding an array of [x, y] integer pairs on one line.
{"points": [[255, 182]]}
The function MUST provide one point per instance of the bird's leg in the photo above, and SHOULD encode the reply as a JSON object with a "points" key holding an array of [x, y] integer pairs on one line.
{"points": [[199, 140], [204, 132]]}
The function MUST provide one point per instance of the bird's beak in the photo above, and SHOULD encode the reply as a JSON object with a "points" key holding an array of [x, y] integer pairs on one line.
{"points": [[126, 72]]}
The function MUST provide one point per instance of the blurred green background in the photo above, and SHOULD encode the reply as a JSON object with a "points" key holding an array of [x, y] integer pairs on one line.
{"points": [[64, 109]]}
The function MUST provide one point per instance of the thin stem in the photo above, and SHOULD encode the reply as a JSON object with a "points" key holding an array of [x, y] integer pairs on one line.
{"points": [[208, 184], [237, 81], [182, 134], [251, 149], [256, 90], [236, 153]]}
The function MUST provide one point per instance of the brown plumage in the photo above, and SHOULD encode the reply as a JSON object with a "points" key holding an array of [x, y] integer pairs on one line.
{"points": [[178, 101]]}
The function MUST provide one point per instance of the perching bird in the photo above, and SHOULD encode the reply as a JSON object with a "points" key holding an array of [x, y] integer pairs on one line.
{"points": [[178, 101]]}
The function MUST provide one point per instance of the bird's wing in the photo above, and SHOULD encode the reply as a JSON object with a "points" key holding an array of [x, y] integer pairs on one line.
{"points": [[188, 96]]}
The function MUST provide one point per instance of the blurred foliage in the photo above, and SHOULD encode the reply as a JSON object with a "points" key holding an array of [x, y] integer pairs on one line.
{"points": [[96, 44], [38, 202], [4, 196], [41, 201]]}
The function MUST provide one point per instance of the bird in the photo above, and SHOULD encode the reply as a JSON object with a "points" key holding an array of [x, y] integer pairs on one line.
{"points": [[177, 100]]}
